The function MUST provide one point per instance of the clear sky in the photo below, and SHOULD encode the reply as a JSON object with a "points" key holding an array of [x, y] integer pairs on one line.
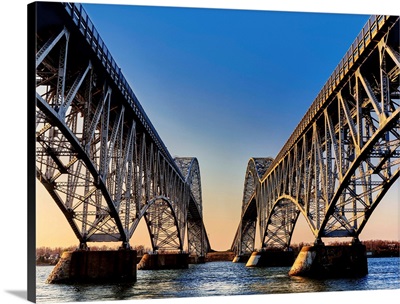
{"points": [[223, 86]]}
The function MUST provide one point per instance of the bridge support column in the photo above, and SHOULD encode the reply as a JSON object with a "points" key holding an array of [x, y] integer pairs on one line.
{"points": [[94, 267], [194, 259], [241, 258], [164, 261], [270, 259], [331, 261]]}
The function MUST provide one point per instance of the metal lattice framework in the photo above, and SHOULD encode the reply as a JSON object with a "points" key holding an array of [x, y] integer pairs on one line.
{"points": [[251, 209], [97, 153], [342, 157]]}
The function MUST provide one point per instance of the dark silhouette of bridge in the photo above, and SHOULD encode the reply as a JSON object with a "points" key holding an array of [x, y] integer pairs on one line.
{"points": [[97, 153], [341, 159]]}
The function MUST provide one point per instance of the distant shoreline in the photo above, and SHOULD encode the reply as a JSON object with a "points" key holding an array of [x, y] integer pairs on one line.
{"points": [[46, 256], [227, 256]]}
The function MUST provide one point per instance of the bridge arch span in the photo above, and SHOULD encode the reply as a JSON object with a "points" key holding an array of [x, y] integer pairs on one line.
{"points": [[97, 152], [280, 223], [162, 224], [244, 241], [197, 238], [344, 154]]}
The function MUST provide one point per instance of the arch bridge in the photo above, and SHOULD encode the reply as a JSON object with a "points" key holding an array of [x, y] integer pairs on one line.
{"points": [[97, 153], [341, 159]]}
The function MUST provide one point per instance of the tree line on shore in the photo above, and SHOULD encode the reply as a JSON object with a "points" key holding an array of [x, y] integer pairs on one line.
{"points": [[51, 255], [375, 248]]}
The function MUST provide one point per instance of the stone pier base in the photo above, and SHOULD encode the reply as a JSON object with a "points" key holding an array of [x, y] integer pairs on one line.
{"points": [[331, 261], [243, 258], [95, 267], [194, 259], [164, 261], [271, 259]]}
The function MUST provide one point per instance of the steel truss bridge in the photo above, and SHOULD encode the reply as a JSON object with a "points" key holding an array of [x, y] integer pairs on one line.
{"points": [[342, 157], [97, 153]]}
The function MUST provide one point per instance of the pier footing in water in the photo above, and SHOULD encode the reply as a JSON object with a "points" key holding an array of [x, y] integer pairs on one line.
{"points": [[194, 259], [95, 267], [271, 259], [164, 261], [331, 261], [243, 258]]}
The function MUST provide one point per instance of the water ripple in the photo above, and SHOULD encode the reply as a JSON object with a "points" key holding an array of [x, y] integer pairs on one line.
{"points": [[217, 279]]}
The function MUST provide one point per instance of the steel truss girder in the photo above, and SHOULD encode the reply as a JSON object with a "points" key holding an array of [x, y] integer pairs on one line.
{"points": [[342, 158], [198, 242], [99, 164], [244, 240]]}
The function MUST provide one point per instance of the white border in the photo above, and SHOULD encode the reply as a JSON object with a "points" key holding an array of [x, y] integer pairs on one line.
{"points": [[13, 200]]}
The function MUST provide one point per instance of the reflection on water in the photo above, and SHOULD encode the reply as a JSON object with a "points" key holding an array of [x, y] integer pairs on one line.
{"points": [[217, 279]]}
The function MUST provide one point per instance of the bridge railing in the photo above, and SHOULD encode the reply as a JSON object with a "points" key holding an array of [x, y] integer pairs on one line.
{"points": [[88, 30], [363, 39]]}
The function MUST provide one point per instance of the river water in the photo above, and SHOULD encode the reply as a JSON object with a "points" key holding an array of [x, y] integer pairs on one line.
{"points": [[217, 279]]}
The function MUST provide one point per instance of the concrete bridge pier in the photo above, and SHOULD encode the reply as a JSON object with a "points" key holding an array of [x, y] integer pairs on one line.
{"points": [[271, 258], [157, 261], [95, 267], [194, 259], [331, 261], [241, 258]]}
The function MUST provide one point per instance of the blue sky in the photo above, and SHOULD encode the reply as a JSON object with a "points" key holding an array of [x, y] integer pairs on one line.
{"points": [[224, 86]]}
